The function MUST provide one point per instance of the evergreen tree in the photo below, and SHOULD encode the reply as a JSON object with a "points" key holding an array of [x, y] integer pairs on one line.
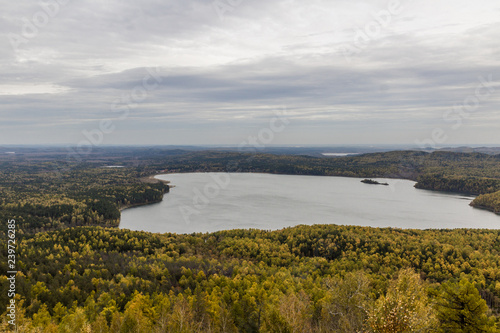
{"points": [[461, 309]]}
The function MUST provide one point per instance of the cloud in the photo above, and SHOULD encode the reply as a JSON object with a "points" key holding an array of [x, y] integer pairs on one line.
{"points": [[232, 73]]}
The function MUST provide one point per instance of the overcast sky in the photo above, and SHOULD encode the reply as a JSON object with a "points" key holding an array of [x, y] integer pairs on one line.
{"points": [[203, 72]]}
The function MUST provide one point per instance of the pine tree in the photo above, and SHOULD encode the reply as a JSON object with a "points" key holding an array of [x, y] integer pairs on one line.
{"points": [[460, 309]]}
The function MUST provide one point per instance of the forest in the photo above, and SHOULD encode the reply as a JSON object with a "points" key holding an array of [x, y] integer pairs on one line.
{"points": [[321, 278], [79, 273]]}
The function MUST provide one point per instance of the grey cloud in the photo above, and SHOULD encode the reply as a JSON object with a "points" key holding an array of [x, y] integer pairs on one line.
{"points": [[98, 51]]}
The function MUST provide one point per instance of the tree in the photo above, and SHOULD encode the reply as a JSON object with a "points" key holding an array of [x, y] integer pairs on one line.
{"points": [[291, 315], [345, 309], [100, 325], [75, 322], [460, 309], [182, 318], [42, 318], [137, 315], [404, 309]]}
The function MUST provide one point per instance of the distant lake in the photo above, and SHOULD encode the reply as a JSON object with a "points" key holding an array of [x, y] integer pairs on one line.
{"points": [[339, 154], [206, 202]]}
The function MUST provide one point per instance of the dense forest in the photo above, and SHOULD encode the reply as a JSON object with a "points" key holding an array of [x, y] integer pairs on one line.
{"points": [[321, 278], [79, 273], [85, 195], [490, 201]]}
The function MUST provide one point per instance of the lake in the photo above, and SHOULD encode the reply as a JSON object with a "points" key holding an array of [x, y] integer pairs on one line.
{"points": [[206, 202]]}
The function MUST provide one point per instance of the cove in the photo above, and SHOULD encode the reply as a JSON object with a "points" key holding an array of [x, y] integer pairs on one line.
{"points": [[207, 202]]}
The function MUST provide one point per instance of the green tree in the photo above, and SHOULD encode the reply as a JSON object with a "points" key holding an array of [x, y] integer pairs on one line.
{"points": [[460, 309], [75, 322], [137, 315], [42, 318], [100, 325]]}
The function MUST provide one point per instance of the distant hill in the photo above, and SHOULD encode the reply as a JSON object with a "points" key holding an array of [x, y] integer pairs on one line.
{"points": [[484, 150]]}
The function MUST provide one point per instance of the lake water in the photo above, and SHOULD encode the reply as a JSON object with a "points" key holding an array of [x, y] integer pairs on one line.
{"points": [[205, 202]]}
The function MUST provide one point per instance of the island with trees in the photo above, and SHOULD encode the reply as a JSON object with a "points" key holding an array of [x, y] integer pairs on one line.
{"points": [[373, 182]]}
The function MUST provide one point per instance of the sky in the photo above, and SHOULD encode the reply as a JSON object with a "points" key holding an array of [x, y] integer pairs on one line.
{"points": [[241, 72]]}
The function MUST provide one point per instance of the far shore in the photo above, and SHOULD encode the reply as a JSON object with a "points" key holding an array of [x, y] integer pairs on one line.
{"points": [[490, 209], [123, 207], [148, 180], [152, 179]]}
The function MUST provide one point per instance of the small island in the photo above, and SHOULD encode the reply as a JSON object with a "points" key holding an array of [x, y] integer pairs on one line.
{"points": [[373, 182]]}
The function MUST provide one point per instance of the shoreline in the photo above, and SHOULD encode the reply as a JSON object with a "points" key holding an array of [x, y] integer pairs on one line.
{"points": [[279, 174], [150, 180], [153, 179], [123, 207], [489, 209], [147, 180], [389, 177]]}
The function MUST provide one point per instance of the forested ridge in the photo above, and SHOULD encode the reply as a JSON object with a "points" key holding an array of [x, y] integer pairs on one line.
{"points": [[76, 275]]}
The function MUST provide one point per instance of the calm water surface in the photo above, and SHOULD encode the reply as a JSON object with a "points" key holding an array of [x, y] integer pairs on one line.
{"points": [[205, 202]]}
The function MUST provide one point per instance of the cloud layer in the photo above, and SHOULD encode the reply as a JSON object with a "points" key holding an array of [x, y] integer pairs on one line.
{"points": [[197, 72]]}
